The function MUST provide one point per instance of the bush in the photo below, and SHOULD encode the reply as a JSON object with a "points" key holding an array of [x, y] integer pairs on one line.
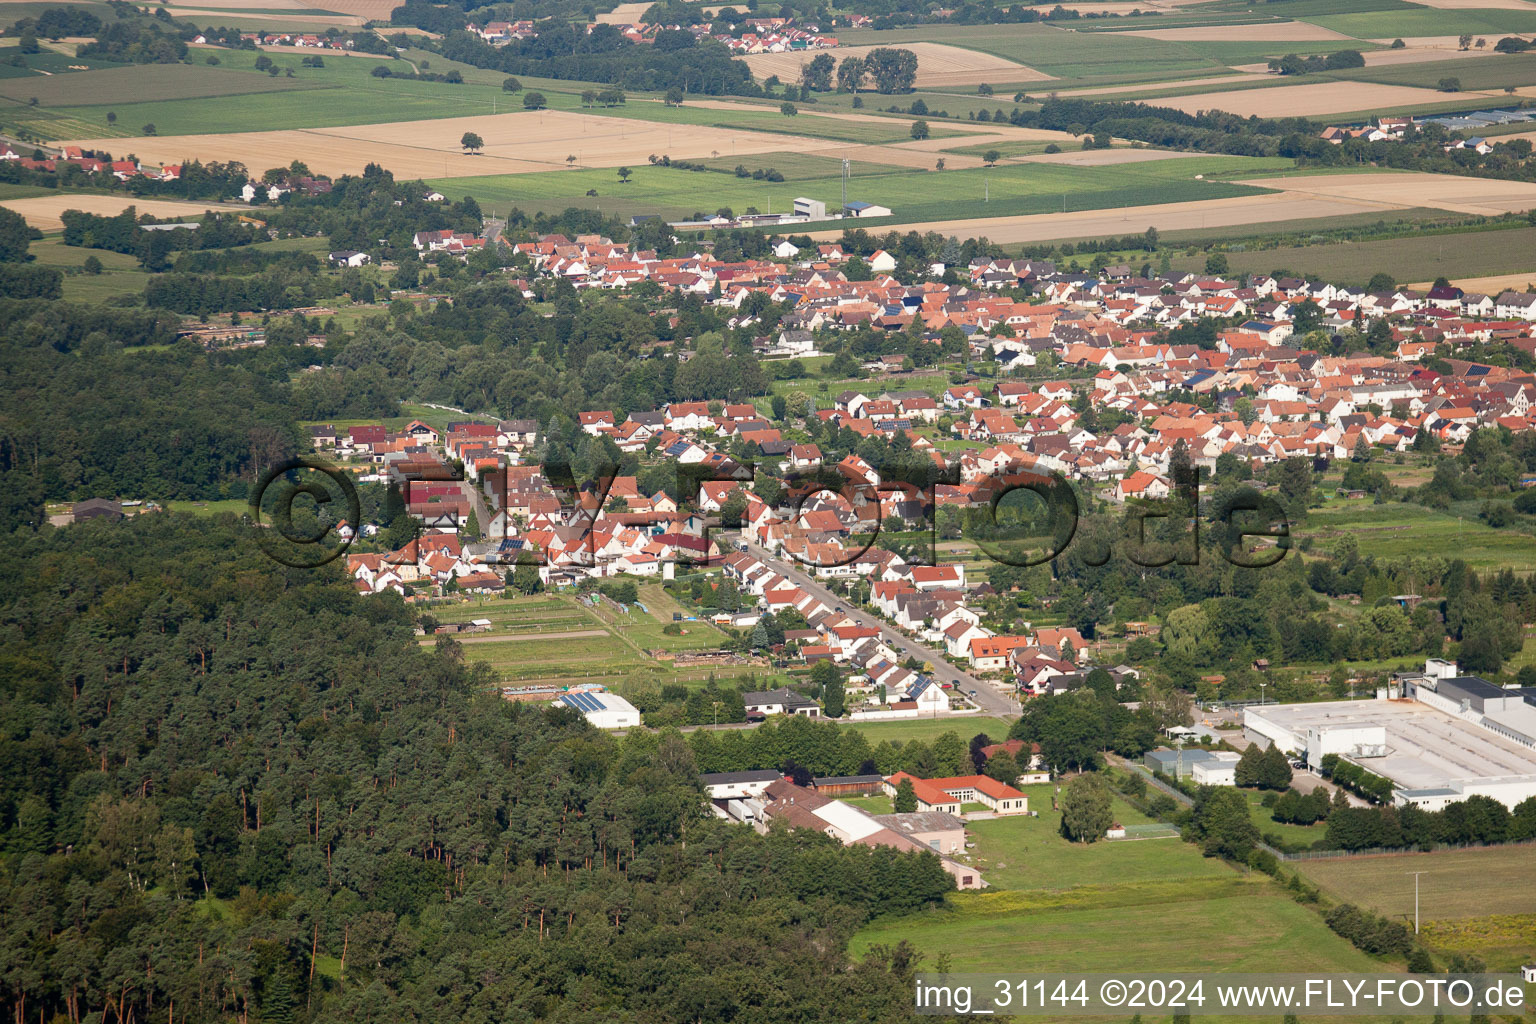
{"points": [[1449, 85]]}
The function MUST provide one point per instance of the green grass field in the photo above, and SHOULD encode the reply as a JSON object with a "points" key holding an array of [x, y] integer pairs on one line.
{"points": [[1419, 21], [146, 83], [1455, 884], [1409, 258], [927, 729], [1203, 924], [912, 194], [1515, 69], [1401, 530]]}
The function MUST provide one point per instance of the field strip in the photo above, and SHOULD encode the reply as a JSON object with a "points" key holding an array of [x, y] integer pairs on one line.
{"points": [[1194, 83], [1488, 285], [515, 143], [1262, 32], [938, 65], [1205, 213], [1482, 196], [508, 638], [1477, 5], [1103, 157], [1314, 98], [44, 212]]}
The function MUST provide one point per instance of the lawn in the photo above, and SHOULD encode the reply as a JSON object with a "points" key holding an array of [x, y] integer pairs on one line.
{"points": [[926, 729], [1229, 924], [1029, 852], [1408, 258]]}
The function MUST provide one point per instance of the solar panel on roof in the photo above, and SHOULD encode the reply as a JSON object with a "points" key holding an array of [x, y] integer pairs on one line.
{"points": [[585, 702]]}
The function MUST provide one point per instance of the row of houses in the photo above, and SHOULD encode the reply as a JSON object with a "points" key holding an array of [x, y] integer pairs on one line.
{"points": [[90, 163]]}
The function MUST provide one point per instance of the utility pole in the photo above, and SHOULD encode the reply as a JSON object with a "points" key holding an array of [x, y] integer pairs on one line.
{"points": [[1415, 875]]}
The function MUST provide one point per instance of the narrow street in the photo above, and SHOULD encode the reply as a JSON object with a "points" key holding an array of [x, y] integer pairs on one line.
{"points": [[987, 697]]}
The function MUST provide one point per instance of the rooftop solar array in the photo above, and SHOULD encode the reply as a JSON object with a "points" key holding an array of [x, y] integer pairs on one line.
{"points": [[584, 702]]}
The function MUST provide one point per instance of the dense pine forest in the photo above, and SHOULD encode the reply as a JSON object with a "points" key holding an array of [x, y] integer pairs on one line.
{"points": [[230, 790]]}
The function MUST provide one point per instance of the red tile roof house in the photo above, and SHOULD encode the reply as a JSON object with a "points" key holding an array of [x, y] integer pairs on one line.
{"points": [[950, 794]]}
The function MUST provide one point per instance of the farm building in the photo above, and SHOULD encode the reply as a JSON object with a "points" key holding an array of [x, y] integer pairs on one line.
{"points": [[940, 832], [862, 209], [849, 785], [850, 825], [603, 710], [735, 785]]}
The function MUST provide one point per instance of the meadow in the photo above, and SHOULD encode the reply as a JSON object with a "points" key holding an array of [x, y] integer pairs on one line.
{"points": [[1402, 530], [912, 194], [1454, 885]]}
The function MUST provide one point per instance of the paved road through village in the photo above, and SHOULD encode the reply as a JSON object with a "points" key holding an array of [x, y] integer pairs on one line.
{"points": [[987, 697]]}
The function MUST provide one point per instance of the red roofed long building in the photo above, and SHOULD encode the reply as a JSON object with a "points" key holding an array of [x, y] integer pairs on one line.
{"points": [[950, 794]]}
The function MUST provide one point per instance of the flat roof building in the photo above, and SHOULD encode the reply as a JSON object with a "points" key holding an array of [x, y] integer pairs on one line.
{"points": [[1457, 736], [604, 710]]}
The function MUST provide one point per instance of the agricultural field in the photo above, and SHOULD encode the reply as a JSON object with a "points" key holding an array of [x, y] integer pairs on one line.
{"points": [[1492, 75], [938, 66], [1421, 21], [146, 83], [1456, 885], [1402, 530], [1200, 925], [44, 212], [1413, 258], [1312, 99], [554, 638], [913, 195]]}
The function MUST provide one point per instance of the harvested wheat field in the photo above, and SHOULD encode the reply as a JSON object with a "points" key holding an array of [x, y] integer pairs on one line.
{"points": [[1262, 32], [1206, 213], [373, 10], [623, 14], [1304, 100], [43, 212], [515, 143], [938, 65], [1489, 285], [1482, 196]]}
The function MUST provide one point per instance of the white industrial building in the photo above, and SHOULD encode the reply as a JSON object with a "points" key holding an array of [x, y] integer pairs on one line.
{"points": [[604, 710], [1218, 770], [1439, 737]]}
